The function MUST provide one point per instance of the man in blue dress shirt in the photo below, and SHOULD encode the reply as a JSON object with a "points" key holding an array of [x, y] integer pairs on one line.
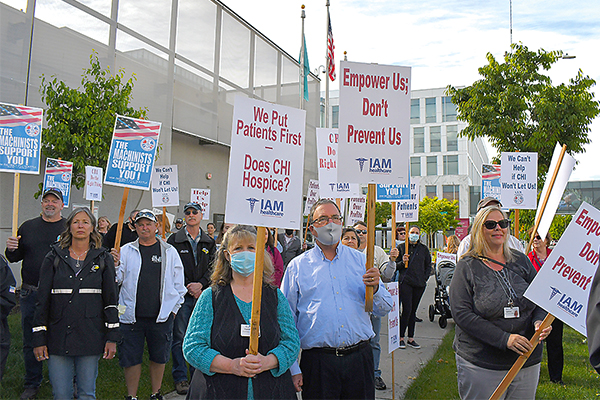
{"points": [[326, 287]]}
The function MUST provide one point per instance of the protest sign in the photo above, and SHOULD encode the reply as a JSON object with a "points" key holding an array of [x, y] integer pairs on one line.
{"points": [[58, 175], [393, 317], [20, 138], [374, 123], [266, 165], [202, 197], [356, 210], [518, 180], [312, 195], [93, 183], [462, 229], [408, 210], [329, 187], [132, 153], [562, 285], [389, 193], [165, 186], [490, 181], [441, 256]]}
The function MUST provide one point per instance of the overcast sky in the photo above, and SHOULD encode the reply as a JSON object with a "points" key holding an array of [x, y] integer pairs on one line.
{"points": [[444, 42]]}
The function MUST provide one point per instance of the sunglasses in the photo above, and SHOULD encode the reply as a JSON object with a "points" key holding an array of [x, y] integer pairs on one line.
{"points": [[191, 212], [503, 223], [361, 231], [538, 237]]}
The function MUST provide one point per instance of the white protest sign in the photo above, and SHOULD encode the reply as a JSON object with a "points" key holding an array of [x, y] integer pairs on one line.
{"points": [[518, 180], [329, 187], [408, 210], [202, 197], [440, 256], [266, 165], [562, 178], [393, 317], [562, 285], [356, 210], [93, 183], [165, 186], [312, 195], [374, 127], [158, 212]]}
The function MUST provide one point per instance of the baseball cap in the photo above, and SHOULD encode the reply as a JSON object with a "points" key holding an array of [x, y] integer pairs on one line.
{"points": [[55, 191], [145, 213], [487, 202], [195, 206], [179, 221]]}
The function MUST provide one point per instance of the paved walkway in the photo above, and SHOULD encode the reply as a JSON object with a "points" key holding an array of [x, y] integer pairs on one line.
{"points": [[408, 362]]}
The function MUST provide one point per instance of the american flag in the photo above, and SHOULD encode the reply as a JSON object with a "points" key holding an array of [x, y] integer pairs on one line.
{"points": [[136, 129], [11, 115], [330, 49], [54, 166]]}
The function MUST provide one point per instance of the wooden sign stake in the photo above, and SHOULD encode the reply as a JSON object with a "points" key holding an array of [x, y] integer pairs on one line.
{"points": [[164, 225], [371, 200], [259, 263], [393, 378], [15, 216], [516, 228], [393, 225], [406, 228], [121, 218]]}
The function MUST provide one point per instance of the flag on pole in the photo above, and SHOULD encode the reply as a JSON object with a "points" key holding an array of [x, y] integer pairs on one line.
{"points": [[305, 67], [330, 49]]}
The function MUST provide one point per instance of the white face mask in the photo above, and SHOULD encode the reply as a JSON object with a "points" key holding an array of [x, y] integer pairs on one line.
{"points": [[329, 234], [413, 237]]}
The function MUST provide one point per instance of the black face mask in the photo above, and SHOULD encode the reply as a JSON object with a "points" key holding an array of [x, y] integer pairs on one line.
{"points": [[289, 232]]}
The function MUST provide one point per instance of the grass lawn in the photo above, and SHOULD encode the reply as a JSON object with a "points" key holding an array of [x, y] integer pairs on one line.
{"points": [[437, 379], [109, 385]]}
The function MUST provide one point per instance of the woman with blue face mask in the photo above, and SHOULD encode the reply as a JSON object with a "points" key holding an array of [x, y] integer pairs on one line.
{"points": [[412, 281], [218, 335]]}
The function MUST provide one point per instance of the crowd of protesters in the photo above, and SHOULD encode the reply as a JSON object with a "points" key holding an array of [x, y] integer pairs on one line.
{"points": [[84, 297]]}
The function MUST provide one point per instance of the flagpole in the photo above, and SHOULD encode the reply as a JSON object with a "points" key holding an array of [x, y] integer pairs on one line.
{"points": [[327, 69], [302, 60]]}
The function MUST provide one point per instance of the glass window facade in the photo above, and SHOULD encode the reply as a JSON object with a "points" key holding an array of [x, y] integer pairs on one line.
{"points": [[415, 166], [415, 111], [430, 110], [450, 192], [335, 116], [419, 140], [451, 165], [435, 138], [448, 109], [474, 197], [431, 191], [451, 137], [432, 165]]}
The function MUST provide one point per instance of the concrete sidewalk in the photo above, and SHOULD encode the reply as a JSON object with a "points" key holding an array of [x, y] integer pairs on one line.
{"points": [[408, 362]]}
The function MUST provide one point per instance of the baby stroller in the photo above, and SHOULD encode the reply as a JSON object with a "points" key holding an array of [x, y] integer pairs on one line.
{"points": [[441, 306]]}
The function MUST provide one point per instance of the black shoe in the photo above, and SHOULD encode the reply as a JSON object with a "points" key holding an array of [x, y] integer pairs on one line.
{"points": [[130, 398], [29, 393], [417, 319], [182, 387], [402, 345], [559, 382], [156, 396], [380, 384], [413, 344]]}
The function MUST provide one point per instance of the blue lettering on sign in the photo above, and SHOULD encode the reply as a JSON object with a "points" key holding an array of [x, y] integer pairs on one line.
{"points": [[272, 208], [380, 165], [570, 306]]}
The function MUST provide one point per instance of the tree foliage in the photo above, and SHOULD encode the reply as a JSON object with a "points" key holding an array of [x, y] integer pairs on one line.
{"points": [[437, 215], [527, 220], [517, 108], [81, 121]]}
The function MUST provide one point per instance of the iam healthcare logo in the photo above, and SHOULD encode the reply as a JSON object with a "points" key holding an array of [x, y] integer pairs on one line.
{"points": [[361, 163], [376, 165], [566, 303], [252, 201]]}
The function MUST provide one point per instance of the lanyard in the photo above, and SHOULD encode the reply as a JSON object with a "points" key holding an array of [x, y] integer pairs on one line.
{"points": [[502, 277]]}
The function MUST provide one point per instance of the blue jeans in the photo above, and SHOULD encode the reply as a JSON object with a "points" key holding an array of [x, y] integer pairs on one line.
{"points": [[62, 369], [374, 342], [33, 367], [179, 328]]}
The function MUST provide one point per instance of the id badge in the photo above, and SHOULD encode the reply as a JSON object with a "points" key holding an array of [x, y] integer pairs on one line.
{"points": [[511, 312], [245, 330]]}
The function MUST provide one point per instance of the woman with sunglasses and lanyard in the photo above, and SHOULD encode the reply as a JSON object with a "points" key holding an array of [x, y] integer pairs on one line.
{"points": [[494, 322], [554, 346]]}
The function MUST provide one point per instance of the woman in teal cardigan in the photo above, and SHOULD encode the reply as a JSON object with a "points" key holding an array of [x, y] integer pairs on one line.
{"points": [[217, 338]]}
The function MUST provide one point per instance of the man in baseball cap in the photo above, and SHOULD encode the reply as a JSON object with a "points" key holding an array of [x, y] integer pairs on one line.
{"points": [[488, 201], [56, 192]]}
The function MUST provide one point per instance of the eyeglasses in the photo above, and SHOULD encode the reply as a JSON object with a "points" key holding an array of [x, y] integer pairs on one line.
{"points": [[503, 223], [322, 221], [188, 212], [361, 231]]}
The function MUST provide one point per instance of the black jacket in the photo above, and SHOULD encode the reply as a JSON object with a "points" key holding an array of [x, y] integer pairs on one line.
{"points": [[198, 270], [76, 314], [7, 289], [419, 264]]}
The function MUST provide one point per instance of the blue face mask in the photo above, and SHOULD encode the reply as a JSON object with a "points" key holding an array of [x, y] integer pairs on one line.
{"points": [[413, 237], [243, 262]]}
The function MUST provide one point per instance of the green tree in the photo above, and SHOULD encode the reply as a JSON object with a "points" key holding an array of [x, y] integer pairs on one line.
{"points": [[437, 215], [81, 121], [518, 108]]}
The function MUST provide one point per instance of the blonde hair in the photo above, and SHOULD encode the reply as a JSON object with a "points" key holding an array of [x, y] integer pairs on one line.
{"points": [[478, 246], [453, 243], [222, 275]]}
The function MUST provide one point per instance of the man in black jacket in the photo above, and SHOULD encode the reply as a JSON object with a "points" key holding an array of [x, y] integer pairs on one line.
{"points": [[197, 252], [7, 302]]}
